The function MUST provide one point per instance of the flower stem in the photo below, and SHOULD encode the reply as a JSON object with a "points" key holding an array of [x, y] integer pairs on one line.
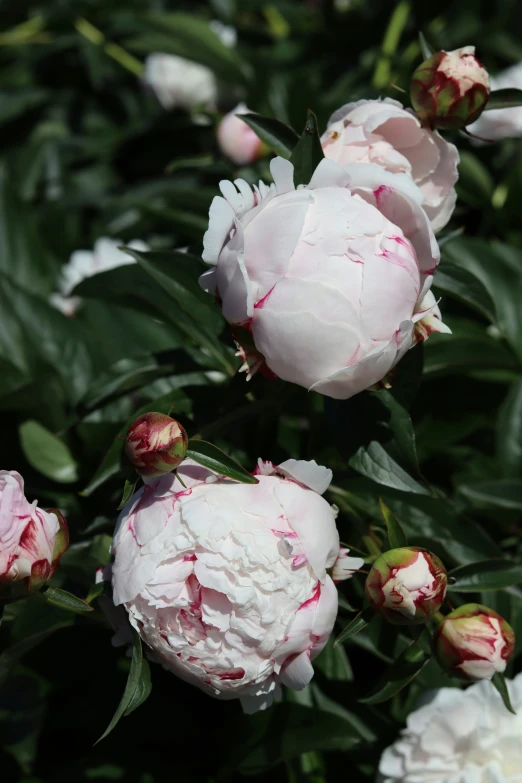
{"points": [[120, 55]]}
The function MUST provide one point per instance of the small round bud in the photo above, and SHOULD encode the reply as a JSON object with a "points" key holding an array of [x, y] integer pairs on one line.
{"points": [[474, 643], [450, 89], [407, 586], [155, 444]]}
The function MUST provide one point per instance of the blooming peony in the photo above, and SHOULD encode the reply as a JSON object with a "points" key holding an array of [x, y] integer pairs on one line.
{"points": [[474, 642], [236, 139], [459, 737], [179, 83], [384, 133], [330, 279], [86, 263], [501, 123], [32, 541], [227, 582], [407, 585]]}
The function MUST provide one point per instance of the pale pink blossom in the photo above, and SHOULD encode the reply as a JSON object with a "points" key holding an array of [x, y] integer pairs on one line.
{"points": [[236, 139], [385, 133], [227, 583], [31, 540], [329, 279]]}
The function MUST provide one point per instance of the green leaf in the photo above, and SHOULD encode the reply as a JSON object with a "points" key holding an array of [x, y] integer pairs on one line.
{"points": [[500, 684], [177, 274], [275, 134], [450, 354], [112, 462], [284, 732], [308, 152], [401, 427], [504, 99], [485, 575], [125, 376], [47, 453], [475, 184], [14, 104], [434, 523], [509, 432], [426, 49], [359, 622], [137, 688], [488, 263], [187, 36], [502, 494], [375, 463], [128, 490], [396, 534], [65, 600], [214, 459], [333, 662], [143, 688], [466, 288], [81, 560], [402, 671], [23, 257]]}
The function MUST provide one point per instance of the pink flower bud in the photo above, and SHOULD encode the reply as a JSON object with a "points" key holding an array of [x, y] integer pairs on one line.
{"points": [[450, 89], [407, 586], [155, 444], [32, 541], [474, 643], [236, 139]]}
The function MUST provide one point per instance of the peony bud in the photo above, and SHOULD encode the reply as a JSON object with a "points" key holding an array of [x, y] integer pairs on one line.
{"points": [[155, 444], [407, 586], [474, 643], [32, 541], [237, 140], [450, 89]]}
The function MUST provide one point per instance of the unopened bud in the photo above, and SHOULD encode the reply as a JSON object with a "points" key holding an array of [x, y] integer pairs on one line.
{"points": [[474, 643], [237, 140], [155, 444], [450, 89], [407, 586]]}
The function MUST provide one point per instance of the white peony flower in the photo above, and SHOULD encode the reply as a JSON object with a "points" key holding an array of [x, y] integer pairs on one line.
{"points": [[179, 83], [385, 133], [501, 123], [329, 279], [86, 263], [32, 540], [459, 737], [227, 583]]}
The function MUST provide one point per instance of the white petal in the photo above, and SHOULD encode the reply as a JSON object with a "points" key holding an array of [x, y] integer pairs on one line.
{"points": [[308, 473]]}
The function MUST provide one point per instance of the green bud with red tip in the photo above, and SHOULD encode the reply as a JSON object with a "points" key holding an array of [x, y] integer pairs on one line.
{"points": [[474, 643], [407, 586], [450, 89], [155, 444]]}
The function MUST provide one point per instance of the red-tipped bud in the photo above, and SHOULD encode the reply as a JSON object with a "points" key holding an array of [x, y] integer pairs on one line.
{"points": [[450, 89], [155, 444], [474, 643], [407, 586]]}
